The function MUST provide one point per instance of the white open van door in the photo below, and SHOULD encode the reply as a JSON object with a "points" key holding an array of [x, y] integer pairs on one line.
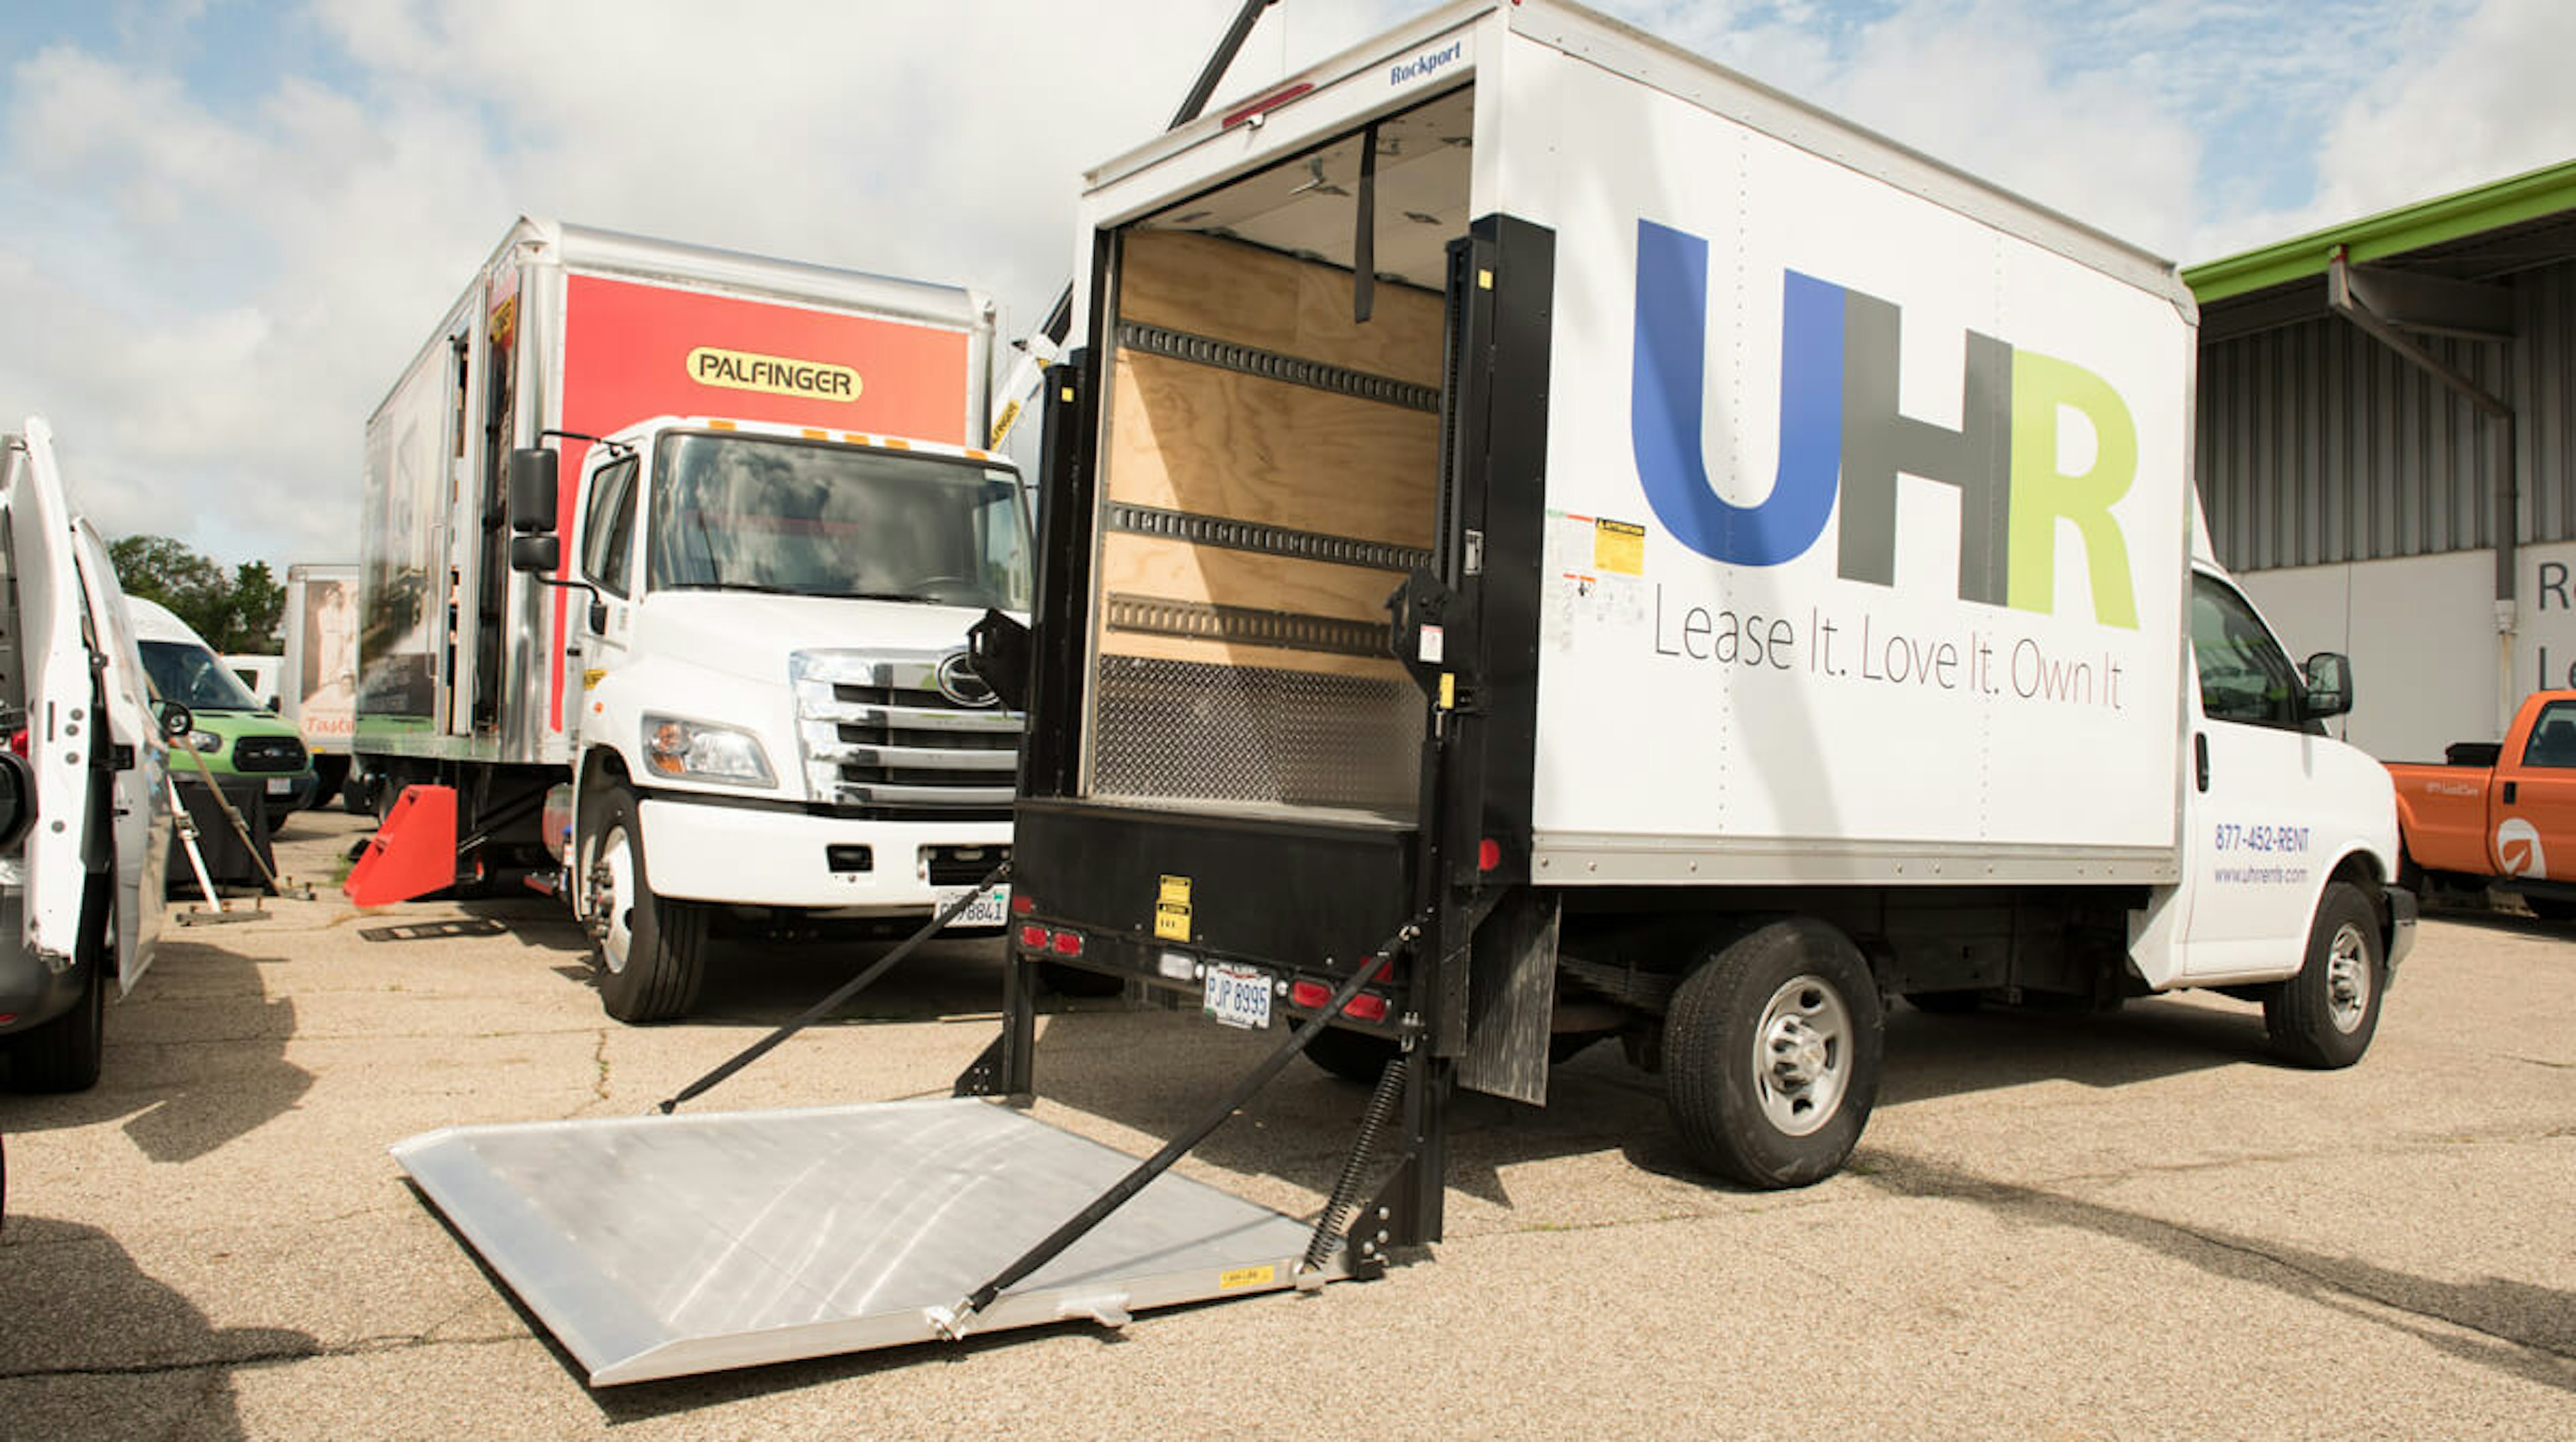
{"points": [[140, 790], [62, 701]]}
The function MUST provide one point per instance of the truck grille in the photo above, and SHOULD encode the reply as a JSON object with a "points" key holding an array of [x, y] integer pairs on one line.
{"points": [[268, 753], [881, 739]]}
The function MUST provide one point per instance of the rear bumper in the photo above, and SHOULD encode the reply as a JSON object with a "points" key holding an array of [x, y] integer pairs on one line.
{"points": [[763, 857], [1158, 895]]}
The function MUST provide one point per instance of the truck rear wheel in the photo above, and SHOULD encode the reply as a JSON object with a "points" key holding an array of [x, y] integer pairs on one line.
{"points": [[1771, 1055], [2326, 1015], [651, 950]]}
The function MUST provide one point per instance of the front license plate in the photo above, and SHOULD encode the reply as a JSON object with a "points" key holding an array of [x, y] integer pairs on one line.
{"points": [[1238, 995], [280, 785], [991, 909]]}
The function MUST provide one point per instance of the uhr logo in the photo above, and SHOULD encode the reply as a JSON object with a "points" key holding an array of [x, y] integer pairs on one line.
{"points": [[1841, 434]]}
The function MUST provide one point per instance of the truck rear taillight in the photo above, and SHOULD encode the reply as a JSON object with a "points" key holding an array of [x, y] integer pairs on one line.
{"points": [[1035, 938], [1314, 995], [1489, 854], [1066, 943], [1023, 904]]}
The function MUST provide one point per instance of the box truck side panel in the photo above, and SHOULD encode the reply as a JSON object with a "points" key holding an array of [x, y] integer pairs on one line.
{"points": [[1866, 517], [404, 580]]}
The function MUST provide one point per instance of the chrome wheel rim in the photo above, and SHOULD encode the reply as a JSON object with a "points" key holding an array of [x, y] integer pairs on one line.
{"points": [[612, 897], [2348, 979], [1802, 1055]]}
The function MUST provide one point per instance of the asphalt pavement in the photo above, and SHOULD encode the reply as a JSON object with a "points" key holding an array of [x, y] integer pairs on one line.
{"points": [[2133, 1225]]}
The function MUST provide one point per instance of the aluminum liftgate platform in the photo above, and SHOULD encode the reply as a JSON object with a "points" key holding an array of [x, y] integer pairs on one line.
{"points": [[665, 1246]]}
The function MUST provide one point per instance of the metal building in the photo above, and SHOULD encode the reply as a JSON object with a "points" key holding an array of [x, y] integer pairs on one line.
{"points": [[2387, 451]]}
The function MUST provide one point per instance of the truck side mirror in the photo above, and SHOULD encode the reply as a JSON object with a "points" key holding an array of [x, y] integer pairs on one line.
{"points": [[532, 496], [2329, 685], [541, 554]]}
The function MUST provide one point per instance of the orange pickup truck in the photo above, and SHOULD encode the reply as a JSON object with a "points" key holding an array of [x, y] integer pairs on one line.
{"points": [[2498, 814]]}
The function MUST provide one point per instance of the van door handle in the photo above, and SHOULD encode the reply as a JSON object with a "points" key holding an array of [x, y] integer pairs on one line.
{"points": [[2509, 788], [2200, 758]]}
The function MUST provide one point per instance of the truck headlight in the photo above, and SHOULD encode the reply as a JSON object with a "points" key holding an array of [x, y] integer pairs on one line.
{"points": [[695, 751], [206, 741]]}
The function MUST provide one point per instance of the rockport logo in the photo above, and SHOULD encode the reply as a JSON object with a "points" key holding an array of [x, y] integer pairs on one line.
{"points": [[1421, 65], [775, 375]]}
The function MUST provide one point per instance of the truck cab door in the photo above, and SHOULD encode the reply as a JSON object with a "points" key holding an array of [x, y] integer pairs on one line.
{"points": [[2251, 850], [2531, 799], [139, 791], [63, 721], [607, 553]]}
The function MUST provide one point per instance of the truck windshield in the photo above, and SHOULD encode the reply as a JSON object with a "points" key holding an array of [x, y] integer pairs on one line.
{"points": [[192, 676], [764, 513]]}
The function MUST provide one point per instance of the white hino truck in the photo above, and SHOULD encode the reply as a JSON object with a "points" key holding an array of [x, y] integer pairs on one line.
{"points": [[667, 561], [1544, 542]]}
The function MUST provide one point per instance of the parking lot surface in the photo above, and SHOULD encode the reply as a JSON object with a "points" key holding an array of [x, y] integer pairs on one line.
{"points": [[2132, 1225]]}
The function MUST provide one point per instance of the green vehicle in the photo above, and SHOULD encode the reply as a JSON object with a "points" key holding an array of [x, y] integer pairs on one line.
{"points": [[244, 745]]}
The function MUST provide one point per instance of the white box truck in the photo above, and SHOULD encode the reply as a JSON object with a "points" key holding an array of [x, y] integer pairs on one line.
{"points": [[1708, 569], [1544, 540], [709, 654], [317, 690]]}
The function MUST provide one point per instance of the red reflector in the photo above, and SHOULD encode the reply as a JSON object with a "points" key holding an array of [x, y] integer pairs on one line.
{"points": [[1308, 994], [1367, 1006], [1489, 854], [1034, 937], [1068, 943], [1023, 904], [18, 743], [1266, 104]]}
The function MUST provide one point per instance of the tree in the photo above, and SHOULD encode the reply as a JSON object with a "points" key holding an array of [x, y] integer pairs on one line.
{"points": [[236, 613]]}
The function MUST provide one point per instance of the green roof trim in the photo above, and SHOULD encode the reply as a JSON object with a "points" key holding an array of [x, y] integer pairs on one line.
{"points": [[2393, 232]]}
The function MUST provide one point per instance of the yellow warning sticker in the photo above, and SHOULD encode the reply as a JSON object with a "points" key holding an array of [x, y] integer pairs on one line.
{"points": [[1171, 923], [1175, 892], [1247, 1277], [1619, 547], [592, 677]]}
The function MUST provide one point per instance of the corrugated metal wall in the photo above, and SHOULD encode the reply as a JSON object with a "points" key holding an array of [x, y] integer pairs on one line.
{"points": [[2317, 444]]}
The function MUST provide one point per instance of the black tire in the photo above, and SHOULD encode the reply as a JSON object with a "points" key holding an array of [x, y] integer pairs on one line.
{"points": [[1064, 979], [64, 1054], [1945, 1003], [1771, 1055], [2550, 908], [2326, 1015], [330, 779], [1354, 1056], [651, 950]]}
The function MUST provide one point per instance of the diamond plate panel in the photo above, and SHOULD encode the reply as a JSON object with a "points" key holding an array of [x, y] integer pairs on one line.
{"points": [[1187, 731]]}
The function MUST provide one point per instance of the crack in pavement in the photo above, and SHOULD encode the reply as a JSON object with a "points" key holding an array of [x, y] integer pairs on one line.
{"points": [[363, 1347]]}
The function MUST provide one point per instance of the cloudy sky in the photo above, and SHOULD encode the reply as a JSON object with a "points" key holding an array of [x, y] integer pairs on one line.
{"points": [[229, 223]]}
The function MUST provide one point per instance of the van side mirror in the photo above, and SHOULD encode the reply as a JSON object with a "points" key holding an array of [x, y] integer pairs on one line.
{"points": [[17, 797], [541, 554], [2329, 676], [532, 496], [176, 720]]}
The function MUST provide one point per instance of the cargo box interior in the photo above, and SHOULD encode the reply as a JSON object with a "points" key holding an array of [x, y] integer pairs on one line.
{"points": [[1271, 470]]}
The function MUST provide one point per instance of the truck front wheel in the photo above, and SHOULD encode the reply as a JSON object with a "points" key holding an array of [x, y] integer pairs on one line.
{"points": [[2325, 1016], [1771, 1055], [651, 949]]}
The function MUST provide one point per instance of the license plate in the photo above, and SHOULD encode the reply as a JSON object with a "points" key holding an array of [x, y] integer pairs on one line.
{"points": [[1238, 995], [991, 909], [281, 785]]}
